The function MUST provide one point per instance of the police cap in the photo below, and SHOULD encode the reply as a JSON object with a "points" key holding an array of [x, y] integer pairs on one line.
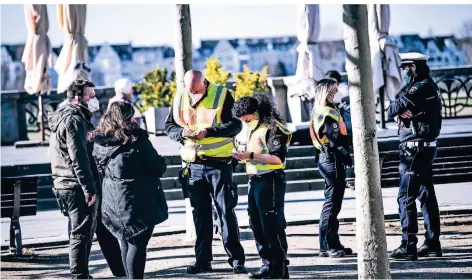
{"points": [[412, 57]]}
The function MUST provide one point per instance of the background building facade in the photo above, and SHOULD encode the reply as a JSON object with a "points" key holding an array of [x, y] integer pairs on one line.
{"points": [[109, 62]]}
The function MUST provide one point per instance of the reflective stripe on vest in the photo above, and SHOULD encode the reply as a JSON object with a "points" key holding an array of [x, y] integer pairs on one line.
{"points": [[257, 143], [318, 120], [205, 115]]}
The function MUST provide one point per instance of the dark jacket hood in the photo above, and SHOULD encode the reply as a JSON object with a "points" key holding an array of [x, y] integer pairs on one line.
{"points": [[65, 110], [106, 144]]}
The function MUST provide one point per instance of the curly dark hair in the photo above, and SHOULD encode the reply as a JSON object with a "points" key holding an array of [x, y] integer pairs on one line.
{"points": [[118, 122], [261, 104]]}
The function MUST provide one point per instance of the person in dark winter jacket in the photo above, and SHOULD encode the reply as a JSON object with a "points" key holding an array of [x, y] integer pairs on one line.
{"points": [[130, 170], [73, 171], [76, 177]]}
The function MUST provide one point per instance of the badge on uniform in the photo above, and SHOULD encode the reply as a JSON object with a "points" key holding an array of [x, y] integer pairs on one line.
{"points": [[335, 126]]}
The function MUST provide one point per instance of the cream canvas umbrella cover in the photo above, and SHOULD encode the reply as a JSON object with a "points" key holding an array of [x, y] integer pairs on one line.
{"points": [[302, 85], [384, 56], [37, 53], [71, 63]]}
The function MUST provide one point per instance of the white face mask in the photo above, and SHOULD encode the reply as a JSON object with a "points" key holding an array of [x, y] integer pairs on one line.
{"points": [[93, 105], [252, 124]]}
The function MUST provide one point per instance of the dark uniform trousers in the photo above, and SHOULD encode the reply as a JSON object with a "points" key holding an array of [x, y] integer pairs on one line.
{"points": [[266, 215], [416, 182], [83, 222], [334, 173], [214, 181]]}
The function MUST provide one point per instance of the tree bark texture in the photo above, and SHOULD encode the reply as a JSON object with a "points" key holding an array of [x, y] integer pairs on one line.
{"points": [[372, 257]]}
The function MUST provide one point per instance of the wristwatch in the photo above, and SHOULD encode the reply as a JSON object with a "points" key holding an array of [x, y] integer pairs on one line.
{"points": [[251, 156]]}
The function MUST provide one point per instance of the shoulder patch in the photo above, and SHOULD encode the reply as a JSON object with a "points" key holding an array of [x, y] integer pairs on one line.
{"points": [[335, 127], [412, 89], [276, 142]]}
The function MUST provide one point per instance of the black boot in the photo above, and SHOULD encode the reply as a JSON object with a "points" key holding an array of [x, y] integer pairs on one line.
{"points": [[199, 268], [263, 272], [277, 271], [430, 249], [405, 252]]}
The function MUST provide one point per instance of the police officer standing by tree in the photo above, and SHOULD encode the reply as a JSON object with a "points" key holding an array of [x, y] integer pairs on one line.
{"points": [[418, 112], [202, 121], [329, 135], [265, 154]]}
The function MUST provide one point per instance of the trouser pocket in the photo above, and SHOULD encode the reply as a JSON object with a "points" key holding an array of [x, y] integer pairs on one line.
{"points": [[60, 202]]}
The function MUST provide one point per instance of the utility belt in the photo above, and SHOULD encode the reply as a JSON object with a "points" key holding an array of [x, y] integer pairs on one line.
{"points": [[271, 173], [410, 147], [419, 144]]}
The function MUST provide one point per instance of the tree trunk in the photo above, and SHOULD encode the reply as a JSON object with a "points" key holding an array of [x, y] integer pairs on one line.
{"points": [[183, 44], [183, 63], [372, 255]]}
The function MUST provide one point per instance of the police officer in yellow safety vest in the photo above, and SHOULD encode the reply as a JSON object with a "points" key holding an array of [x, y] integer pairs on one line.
{"points": [[329, 135], [265, 153], [201, 120]]}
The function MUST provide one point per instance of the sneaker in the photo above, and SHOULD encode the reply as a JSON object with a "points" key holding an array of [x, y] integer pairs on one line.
{"points": [[333, 253], [405, 252], [199, 268], [239, 269], [263, 272], [428, 250]]}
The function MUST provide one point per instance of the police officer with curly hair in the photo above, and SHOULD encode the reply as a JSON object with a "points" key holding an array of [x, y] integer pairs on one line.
{"points": [[418, 113], [267, 141]]}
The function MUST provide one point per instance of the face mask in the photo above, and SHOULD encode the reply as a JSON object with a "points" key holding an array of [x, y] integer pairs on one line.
{"points": [[407, 76], [252, 124], [93, 105]]}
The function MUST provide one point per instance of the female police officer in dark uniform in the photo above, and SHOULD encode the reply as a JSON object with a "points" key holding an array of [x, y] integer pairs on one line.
{"points": [[329, 135], [265, 153]]}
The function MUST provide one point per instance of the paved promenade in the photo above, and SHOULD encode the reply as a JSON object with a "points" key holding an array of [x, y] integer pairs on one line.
{"points": [[169, 255], [301, 207]]}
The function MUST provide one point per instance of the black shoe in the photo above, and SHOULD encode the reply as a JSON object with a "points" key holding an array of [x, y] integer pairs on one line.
{"points": [[286, 275], [347, 251], [263, 272], [428, 250], [405, 252], [276, 272], [239, 269], [199, 268]]}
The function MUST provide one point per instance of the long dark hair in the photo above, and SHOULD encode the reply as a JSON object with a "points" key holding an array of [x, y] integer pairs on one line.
{"points": [[261, 104], [118, 122], [266, 110]]}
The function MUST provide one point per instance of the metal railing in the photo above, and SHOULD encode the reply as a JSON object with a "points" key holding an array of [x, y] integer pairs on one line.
{"points": [[455, 84]]}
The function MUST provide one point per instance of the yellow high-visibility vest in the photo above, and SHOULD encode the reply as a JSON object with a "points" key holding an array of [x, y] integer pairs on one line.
{"points": [[318, 120], [205, 115], [257, 143]]}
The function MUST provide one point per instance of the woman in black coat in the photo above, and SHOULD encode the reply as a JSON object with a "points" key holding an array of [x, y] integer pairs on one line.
{"points": [[133, 199]]}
